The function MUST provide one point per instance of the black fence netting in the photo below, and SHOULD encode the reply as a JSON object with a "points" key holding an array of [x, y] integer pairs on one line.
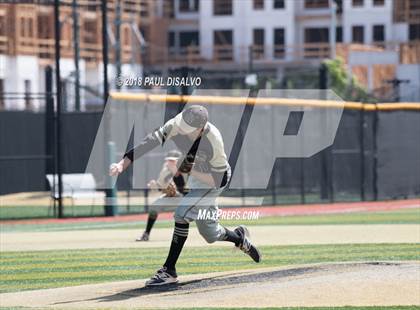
{"points": [[22, 152], [375, 155], [398, 149]]}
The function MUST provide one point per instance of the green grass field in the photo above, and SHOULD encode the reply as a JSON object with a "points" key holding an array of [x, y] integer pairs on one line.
{"points": [[407, 216], [21, 271], [49, 269]]}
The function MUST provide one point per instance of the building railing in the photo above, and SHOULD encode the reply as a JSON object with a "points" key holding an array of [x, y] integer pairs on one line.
{"points": [[92, 52], [223, 53], [190, 54], [315, 50]]}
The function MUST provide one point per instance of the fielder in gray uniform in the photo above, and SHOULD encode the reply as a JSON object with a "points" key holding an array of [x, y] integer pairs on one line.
{"points": [[172, 185], [205, 163]]}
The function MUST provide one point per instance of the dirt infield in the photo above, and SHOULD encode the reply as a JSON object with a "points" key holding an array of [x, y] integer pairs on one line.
{"points": [[357, 284], [262, 235]]}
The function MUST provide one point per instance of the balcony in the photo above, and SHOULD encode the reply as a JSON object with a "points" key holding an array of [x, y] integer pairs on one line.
{"points": [[189, 54], [258, 52], [222, 53], [314, 50]]}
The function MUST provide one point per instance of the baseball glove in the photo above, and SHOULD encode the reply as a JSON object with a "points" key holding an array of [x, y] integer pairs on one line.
{"points": [[170, 191]]}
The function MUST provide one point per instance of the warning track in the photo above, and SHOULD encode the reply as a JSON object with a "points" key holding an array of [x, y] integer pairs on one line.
{"points": [[309, 209]]}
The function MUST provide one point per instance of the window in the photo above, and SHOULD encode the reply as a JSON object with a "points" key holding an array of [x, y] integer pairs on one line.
{"points": [[258, 43], [414, 32], [188, 5], [169, 8], [358, 34], [339, 34], [317, 43], [357, 3], [258, 4], [45, 29], [279, 41], [171, 39], [90, 31], [316, 35], [378, 33], [2, 25], [378, 2], [316, 4], [26, 27], [223, 37], [278, 4], [258, 36], [339, 4], [188, 38], [222, 7], [171, 43], [223, 41]]}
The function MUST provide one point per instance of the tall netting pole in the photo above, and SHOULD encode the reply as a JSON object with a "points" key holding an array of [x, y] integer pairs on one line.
{"points": [[375, 155], [110, 193], [362, 153], [58, 97]]}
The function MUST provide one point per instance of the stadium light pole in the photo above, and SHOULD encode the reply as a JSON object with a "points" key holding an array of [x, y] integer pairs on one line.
{"points": [[58, 98]]}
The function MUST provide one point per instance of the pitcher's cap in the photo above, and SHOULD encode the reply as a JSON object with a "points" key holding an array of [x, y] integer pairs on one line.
{"points": [[191, 118]]}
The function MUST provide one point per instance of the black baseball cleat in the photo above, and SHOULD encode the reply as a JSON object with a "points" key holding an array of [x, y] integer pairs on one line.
{"points": [[144, 237], [162, 277], [246, 246]]}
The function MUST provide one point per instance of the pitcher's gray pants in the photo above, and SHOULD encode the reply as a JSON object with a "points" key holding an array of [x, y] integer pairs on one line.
{"points": [[201, 202]]}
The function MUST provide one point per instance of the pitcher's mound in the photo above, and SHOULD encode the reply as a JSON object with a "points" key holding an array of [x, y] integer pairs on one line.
{"points": [[358, 284]]}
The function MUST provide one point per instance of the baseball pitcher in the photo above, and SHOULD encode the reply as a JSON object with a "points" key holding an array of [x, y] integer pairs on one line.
{"points": [[205, 163]]}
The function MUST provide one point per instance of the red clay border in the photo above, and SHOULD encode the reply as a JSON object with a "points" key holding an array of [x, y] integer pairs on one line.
{"points": [[286, 210]]}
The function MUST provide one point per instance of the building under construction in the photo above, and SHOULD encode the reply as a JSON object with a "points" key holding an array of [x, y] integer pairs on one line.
{"points": [[379, 41]]}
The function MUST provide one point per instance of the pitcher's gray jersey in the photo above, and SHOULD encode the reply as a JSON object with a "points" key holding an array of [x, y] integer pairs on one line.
{"points": [[207, 151]]}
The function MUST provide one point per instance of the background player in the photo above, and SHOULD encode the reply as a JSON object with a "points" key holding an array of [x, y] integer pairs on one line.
{"points": [[172, 185], [206, 164]]}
